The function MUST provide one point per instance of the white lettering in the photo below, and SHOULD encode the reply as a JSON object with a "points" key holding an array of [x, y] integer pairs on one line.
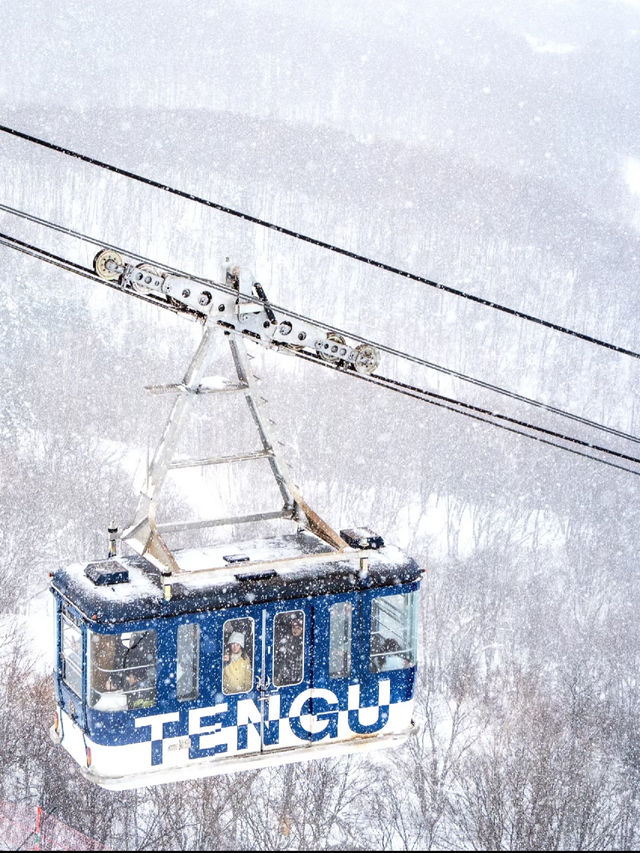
{"points": [[157, 721], [248, 712], [196, 715], [310, 722], [273, 707], [384, 695]]}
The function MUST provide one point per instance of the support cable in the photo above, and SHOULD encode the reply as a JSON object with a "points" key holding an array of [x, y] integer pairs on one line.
{"points": [[500, 420], [70, 266], [285, 312], [297, 235], [487, 416]]}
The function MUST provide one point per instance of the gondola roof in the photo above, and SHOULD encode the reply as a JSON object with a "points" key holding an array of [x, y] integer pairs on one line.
{"points": [[129, 588]]}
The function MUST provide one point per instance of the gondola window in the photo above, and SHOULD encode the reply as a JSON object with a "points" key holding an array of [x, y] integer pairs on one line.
{"points": [[394, 623], [340, 620], [188, 661], [237, 656], [71, 655], [288, 648], [123, 670]]}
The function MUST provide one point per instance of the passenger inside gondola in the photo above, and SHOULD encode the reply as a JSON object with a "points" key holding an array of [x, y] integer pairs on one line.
{"points": [[387, 654], [237, 670], [393, 632], [123, 671], [393, 657], [288, 664]]}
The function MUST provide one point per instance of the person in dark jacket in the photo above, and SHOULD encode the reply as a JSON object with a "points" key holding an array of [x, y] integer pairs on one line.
{"points": [[289, 658], [135, 672]]}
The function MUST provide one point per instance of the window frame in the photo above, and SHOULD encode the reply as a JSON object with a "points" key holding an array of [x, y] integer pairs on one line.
{"points": [[346, 669], [194, 662], [65, 659], [290, 614], [252, 656], [123, 697], [406, 638]]}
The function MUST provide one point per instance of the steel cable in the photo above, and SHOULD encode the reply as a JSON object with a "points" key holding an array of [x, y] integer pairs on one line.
{"points": [[301, 318], [500, 420], [320, 243]]}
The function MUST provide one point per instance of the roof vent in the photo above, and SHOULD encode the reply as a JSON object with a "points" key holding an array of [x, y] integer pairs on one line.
{"points": [[256, 576], [235, 558], [362, 537], [107, 573]]}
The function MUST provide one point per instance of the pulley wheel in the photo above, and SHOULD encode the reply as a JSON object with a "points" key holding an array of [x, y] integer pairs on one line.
{"points": [[334, 348], [367, 359], [104, 263]]}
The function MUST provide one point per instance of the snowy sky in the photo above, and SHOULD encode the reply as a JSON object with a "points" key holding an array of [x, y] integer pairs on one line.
{"points": [[210, 54], [546, 88]]}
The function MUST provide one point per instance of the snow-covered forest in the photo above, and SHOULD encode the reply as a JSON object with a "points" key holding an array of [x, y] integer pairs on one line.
{"points": [[490, 146]]}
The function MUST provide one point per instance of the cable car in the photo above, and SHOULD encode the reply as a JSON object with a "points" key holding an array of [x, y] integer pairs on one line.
{"points": [[175, 664], [284, 652]]}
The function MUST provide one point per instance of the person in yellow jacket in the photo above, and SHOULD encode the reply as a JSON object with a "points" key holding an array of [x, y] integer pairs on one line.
{"points": [[237, 669]]}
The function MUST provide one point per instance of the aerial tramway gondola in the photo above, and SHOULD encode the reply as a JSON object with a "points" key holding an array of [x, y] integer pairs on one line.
{"points": [[142, 688], [180, 664]]}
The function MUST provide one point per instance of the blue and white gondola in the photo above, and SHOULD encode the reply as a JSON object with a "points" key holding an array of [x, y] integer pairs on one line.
{"points": [[143, 691]]}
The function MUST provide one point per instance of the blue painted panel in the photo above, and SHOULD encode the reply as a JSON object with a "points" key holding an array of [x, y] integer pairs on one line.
{"points": [[119, 727]]}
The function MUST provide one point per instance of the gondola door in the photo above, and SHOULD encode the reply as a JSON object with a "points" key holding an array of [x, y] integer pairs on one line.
{"points": [[284, 640], [267, 674], [287, 668]]}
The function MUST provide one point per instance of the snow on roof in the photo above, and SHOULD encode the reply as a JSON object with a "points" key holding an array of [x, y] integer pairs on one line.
{"points": [[140, 584], [284, 554], [299, 560]]}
